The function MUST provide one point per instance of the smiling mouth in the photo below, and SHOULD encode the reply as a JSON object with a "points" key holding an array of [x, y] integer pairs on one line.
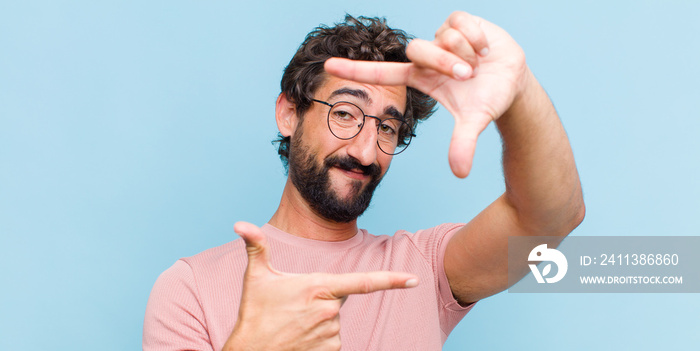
{"points": [[353, 173]]}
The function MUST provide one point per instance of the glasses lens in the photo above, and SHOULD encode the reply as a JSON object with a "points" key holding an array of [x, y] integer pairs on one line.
{"points": [[345, 120], [393, 136]]}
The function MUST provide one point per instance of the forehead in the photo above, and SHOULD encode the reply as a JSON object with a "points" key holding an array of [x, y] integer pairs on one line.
{"points": [[378, 96]]}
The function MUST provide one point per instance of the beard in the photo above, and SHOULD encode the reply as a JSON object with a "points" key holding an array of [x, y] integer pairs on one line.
{"points": [[313, 183]]}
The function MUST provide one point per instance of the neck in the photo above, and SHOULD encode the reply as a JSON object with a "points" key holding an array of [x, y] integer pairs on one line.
{"points": [[296, 217]]}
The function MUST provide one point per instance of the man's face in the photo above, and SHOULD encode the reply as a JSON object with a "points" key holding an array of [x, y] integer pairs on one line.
{"points": [[338, 177]]}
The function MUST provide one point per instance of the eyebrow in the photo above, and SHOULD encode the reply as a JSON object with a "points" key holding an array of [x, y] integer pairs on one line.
{"points": [[358, 93], [361, 94]]}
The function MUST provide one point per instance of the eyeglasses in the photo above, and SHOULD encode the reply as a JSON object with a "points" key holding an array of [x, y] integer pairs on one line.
{"points": [[345, 120]]}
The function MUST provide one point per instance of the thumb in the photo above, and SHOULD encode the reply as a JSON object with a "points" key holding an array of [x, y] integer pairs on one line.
{"points": [[463, 144], [255, 245]]}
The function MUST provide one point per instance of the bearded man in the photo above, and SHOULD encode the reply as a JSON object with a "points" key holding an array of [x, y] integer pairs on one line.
{"points": [[309, 278]]}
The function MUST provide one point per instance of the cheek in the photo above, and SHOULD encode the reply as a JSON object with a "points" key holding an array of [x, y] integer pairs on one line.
{"points": [[384, 161], [319, 140]]}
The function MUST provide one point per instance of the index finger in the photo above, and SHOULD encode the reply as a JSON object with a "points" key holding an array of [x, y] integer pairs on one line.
{"points": [[341, 285], [370, 72]]}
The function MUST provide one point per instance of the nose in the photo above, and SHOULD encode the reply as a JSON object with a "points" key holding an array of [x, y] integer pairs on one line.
{"points": [[363, 147]]}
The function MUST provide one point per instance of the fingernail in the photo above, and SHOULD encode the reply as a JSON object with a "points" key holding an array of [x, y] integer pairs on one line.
{"points": [[484, 52], [460, 71], [411, 283]]}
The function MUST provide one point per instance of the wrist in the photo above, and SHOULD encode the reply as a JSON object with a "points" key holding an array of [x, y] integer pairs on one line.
{"points": [[529, 95], [235, 342]]}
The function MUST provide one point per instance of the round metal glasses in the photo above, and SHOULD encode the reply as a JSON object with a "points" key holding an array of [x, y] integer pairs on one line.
{"points": [[345, 120]]}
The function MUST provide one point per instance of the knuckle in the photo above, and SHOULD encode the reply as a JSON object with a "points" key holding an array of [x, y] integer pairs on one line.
{"points": [[379, 73], [444, 61], [476, 36], [451, 39], [412, 47], [328, 312], [314, 286], [334, 327], [318, 292], [365, 286], [458, 17], [352, 71], [315, 280], [334, 343]]}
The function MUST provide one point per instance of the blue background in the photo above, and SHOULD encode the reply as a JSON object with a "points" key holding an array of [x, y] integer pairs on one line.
{"points": [[133, 133]]}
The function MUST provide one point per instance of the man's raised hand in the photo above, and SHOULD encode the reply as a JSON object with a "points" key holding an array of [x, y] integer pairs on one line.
{"points": [[473, 68], [282, 311]]}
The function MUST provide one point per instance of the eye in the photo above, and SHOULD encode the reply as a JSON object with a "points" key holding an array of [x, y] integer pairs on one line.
{"points": [[342, 114], [387, 129]]}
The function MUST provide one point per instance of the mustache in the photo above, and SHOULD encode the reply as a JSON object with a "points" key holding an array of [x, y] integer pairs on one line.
{"points": [[351, 164]]}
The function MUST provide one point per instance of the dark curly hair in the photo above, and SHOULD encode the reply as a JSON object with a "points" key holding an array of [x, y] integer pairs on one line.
{"points": [[361, 38]]}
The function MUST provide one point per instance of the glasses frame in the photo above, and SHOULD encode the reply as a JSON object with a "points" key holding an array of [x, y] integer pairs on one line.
{"points": [[364, 118]]}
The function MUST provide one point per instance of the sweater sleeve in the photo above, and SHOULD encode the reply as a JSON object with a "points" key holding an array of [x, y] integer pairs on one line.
{"points": [[174, 316], [432, 243]]}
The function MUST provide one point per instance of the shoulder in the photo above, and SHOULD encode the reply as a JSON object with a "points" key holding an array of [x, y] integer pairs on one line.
{"points": [[177, 314], [187, 299], [217, 267], [427, 240], [233, 251], [429, 243], [188, 272], [421, 234], [195, 276], [441, 229]]}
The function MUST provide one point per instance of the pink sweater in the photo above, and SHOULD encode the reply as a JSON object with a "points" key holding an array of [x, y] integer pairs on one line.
{"points": [[194, 304]]}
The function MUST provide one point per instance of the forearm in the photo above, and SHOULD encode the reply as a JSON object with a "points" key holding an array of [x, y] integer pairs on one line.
{"points": [[542, 182]]}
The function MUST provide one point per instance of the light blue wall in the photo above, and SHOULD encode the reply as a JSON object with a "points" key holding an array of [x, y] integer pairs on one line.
{"points": [[133, 133]]}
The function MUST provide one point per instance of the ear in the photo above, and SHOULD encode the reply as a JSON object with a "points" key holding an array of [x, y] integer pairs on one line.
{"points": [[286, 115]]}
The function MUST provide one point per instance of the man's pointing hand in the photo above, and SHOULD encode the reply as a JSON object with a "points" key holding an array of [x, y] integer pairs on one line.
{"points": [[283, 311]]}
